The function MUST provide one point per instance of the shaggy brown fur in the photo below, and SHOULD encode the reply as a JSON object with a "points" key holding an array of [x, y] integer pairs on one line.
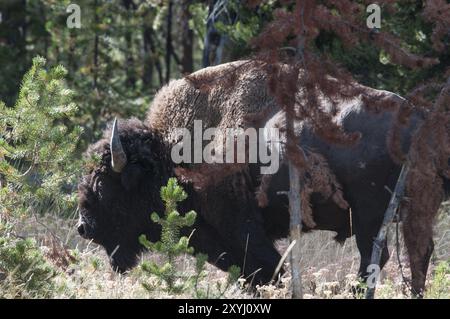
{"points": [[425, 188], [243, 99], [181, 101], [114, 206]]}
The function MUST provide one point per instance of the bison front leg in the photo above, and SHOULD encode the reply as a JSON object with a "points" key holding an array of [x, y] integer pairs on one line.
{"points": [[367, 223], [246, 247], [231, 210], [259, 256], [206, 239], [247, 242]]}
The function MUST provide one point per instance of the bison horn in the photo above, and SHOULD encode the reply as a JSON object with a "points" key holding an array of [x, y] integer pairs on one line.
{"points": [[118, 156]]}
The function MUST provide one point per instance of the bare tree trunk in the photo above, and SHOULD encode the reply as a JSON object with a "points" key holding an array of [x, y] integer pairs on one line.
{"points": [[295, 222], [131, 76], [207, 41], [71, 54], [147, 74], [380, 240], [213, 47], [47, 35], [96, 19], [169, 48], [13, 39], [187, 62], [130, 71], [295, 212], [153, 59]]}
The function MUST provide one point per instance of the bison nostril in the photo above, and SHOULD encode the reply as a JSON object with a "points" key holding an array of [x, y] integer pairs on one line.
{"points": [[81, 230]]}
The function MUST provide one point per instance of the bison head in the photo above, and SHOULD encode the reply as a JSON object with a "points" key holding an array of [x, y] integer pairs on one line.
{"points": [[119, 193]]}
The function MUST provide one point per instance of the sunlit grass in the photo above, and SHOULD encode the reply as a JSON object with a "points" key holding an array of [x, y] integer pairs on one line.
{"points": [[328, 269]]}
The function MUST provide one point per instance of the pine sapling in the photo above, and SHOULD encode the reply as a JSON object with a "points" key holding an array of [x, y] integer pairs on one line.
{"points": [[171, 244]]}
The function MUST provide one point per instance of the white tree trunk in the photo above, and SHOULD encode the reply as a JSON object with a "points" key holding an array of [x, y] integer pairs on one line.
{"points": [[295, 222]]}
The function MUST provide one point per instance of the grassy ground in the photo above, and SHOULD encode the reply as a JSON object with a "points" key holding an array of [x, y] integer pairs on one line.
{"points": [[328, 268]]}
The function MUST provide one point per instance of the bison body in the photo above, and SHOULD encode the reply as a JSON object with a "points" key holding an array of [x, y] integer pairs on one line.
{"points": [[231, 227]]}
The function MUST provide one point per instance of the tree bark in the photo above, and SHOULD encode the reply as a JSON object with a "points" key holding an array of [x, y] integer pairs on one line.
{"points": [[212, 39], [187, 61], [13, 36], [96, 21], [130, 71], [147, 74], [295, 213], [389, 215], [153, 58], [169, 40], [295, 222]]}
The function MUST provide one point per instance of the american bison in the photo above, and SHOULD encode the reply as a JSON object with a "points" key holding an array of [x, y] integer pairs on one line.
{"points": [[118, 195]]}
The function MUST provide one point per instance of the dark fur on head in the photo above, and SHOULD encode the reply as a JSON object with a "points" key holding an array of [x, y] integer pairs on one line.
{"points": [[115, 207]]}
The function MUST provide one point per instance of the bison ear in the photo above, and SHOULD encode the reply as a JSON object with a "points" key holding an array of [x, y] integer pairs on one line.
{"points": [[130, 176]]}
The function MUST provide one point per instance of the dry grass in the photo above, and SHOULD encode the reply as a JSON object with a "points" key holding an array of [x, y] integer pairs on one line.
{"points": [[328, 268]]}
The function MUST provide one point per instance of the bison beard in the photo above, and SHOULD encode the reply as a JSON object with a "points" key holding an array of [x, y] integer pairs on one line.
{"points": [[115, 203]]}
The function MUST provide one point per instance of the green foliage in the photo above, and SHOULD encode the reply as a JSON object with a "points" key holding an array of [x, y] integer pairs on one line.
{"points": [[114, 64], [440, 282], [24, 272], [369, 65], [100, 58], [359, 289], [96, 263], [37, 144], [116, 61], [173, 245], [199, 14], [241, 24], [12, 49], [240, 31], [373, 67]]}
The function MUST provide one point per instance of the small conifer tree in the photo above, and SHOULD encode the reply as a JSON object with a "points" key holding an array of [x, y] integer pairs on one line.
{"points": [[38, 144], [24, 271], [171, 244], [37, 174]]}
